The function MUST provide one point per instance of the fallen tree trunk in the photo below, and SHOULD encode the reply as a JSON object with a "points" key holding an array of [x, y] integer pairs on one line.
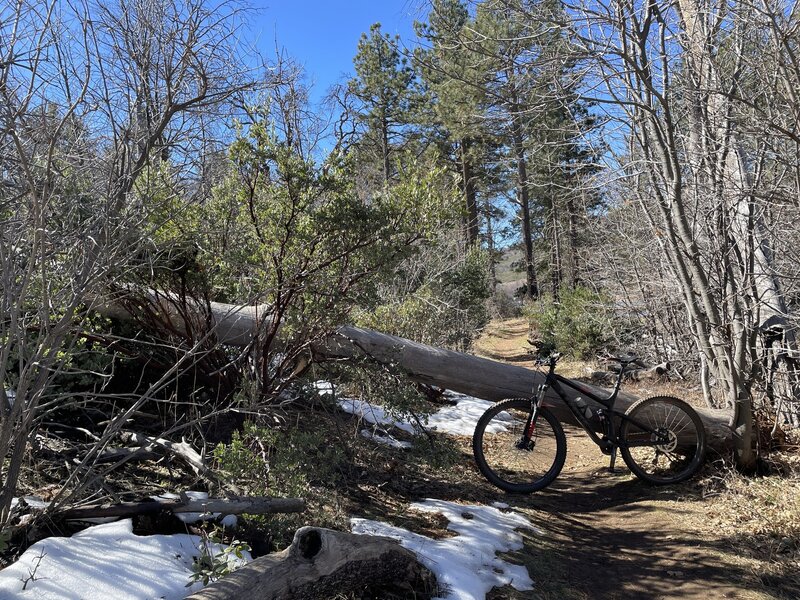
{"points": [[610, 376], [464, 373], [234, 506], [321, 564], [480, 377]]}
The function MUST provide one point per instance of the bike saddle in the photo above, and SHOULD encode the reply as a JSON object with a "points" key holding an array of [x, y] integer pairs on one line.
{"points": [[624, 359]]}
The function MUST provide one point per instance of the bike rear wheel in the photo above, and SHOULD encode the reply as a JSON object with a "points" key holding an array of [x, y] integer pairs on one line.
{"points": [[510, 462], [681, 453]]}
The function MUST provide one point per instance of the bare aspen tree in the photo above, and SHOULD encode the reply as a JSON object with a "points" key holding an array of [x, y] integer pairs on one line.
{"points": [[674, 75], [92, 96]]}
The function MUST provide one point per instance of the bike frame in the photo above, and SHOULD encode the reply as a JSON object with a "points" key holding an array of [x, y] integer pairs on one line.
{"points": [[609, 439]]}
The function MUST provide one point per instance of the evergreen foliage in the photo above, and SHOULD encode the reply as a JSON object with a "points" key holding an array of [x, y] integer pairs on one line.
{"points": [[579, 324], [387, 89]]}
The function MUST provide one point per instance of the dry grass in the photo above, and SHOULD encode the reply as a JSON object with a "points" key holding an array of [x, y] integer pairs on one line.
{"points": [[759, 517]]}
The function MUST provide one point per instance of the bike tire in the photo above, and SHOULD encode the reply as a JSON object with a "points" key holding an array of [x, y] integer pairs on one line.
{"points": [[503, 462], [681, 458]]}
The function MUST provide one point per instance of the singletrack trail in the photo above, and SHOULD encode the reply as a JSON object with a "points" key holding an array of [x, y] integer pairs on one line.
{"points": [[610, 536]]}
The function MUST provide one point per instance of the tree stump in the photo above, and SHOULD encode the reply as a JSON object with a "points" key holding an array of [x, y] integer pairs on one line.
{"points": [[321, 564]]}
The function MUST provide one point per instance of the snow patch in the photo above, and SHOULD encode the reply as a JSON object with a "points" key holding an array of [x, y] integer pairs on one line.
{"points": [[229, 521], [462, 418], [102, 562], [323, 387], [466, 565], [459, 419], [31, 502], [374, 414]]}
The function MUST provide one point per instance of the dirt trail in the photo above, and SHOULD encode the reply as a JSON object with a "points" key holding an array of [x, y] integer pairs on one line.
{"points": [[609, 536]]}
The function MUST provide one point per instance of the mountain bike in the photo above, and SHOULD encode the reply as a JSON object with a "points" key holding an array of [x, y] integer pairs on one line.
{"points": [[520, 446]]}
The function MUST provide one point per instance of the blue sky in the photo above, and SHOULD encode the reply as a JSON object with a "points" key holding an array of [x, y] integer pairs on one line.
{"points": [[323, 35]]}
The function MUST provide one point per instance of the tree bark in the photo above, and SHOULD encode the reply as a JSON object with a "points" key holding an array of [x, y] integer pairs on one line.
{"points": [[468, 188], [234, 506], [556, 264], [572, 240], [490, 249], [523, 198]]}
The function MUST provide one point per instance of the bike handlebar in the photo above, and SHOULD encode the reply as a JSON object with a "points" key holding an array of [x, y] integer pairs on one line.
{"points": [[549, 360]]}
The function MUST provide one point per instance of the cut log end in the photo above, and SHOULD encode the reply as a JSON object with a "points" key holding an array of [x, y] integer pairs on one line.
{"points": [[321, 564]]}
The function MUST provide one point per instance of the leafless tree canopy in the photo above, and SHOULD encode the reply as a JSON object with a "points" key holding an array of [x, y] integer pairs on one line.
{"points": [[93, 95], [649, 151]]}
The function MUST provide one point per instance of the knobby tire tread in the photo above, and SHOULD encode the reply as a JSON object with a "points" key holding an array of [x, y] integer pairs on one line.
{"points": [[486, 470]]}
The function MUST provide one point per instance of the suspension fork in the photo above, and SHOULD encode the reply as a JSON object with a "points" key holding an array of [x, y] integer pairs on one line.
{"points": [[530, 424]]}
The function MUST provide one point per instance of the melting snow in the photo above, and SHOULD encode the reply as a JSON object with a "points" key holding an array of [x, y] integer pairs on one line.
{"points": [[462, 418], [465, 565], [459, 419], [102, 562], [374, 414]]}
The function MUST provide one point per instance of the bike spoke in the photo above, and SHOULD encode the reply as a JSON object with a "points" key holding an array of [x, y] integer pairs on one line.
{"points": [[675, 446], [510, 458]]}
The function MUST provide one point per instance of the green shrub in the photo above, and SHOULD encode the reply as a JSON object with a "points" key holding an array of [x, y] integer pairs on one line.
{"points": [[284, 463], [214, 562], [505, 306], [447, 310], [579, 324], [84, 360]]}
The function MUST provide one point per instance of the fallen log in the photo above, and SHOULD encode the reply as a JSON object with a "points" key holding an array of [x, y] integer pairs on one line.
{"points": [[321, 564], [647, 373], [428, 365], [481, 377], [126, 454], [234, 506]]}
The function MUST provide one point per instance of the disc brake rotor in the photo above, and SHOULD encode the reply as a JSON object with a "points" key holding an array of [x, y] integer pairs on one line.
{"points": [[671, 444]]}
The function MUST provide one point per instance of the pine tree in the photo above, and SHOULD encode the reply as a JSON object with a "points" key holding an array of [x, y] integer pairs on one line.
{"points": [[454, 79], [565, 160], [535, 114], [387, 90], [512, 90]]}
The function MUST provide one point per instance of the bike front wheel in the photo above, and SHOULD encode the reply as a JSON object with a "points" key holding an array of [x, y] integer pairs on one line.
{"points": [[511, 460], [662, 440]]}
